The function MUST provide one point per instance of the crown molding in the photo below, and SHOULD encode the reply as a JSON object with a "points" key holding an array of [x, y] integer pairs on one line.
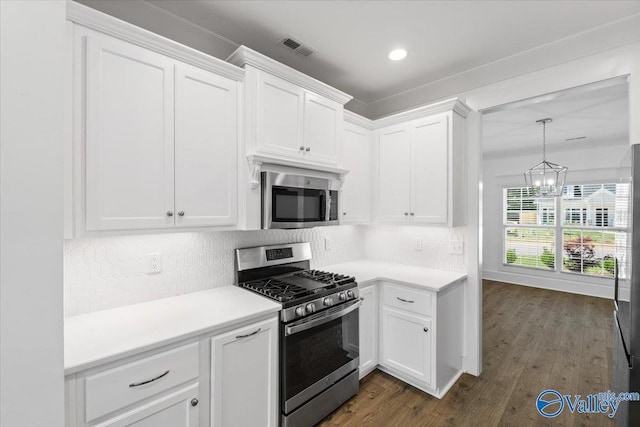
{"points": [[453, 104], [244, 56], [91, 18], [358, 120]]}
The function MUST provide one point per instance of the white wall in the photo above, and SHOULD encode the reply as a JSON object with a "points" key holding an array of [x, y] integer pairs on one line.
{"points": [[32, 49], [586, 165]]}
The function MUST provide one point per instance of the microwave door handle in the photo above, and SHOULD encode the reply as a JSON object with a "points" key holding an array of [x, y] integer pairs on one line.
{"points": [[327, 204]]}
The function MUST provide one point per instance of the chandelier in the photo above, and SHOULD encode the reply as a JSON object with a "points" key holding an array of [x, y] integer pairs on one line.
{"points": [[545, 179]]}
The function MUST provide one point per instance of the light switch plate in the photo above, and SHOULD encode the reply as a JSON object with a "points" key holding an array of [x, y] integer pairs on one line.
{"points": [[327, 244], [456, 247]]}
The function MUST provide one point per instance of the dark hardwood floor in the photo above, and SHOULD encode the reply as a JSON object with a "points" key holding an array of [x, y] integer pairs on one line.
{"points": [[533, 339]]}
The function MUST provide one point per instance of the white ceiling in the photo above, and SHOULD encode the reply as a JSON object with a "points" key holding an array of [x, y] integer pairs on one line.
{"points": [[352, 38], [602, 115]]}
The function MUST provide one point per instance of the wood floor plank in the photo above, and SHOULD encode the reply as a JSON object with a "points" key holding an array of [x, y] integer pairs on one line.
{"points": [[533, 339]]}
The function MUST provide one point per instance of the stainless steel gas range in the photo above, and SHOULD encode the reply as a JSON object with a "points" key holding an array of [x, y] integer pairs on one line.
{"points": [[319, 343]]}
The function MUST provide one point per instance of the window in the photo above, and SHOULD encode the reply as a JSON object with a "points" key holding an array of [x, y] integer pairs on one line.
{"points": [[584, 240], [529, 230], [589, 245]]}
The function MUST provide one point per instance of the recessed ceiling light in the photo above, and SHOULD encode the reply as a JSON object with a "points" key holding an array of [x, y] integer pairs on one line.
{"points": [[397, 54]]}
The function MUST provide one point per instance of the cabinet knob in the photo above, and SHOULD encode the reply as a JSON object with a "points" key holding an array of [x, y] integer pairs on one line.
{"points": [[426, 329], [344, 213], [194, 402], [169, 213], [406, 213], [181, 213], [301, 148], [412, 214], [308, 149]]}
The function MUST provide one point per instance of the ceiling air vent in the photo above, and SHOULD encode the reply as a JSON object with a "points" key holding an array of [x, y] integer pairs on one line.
{"points": [[296, 46]]}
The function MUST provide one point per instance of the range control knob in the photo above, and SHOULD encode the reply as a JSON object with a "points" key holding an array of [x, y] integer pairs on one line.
{"points": [[310, 308], [300, 311], [327, 302], [350, 294], [342, 296]]}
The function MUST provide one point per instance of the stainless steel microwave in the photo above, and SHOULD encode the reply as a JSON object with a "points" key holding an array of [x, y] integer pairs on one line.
{"points": [[296, 201]]}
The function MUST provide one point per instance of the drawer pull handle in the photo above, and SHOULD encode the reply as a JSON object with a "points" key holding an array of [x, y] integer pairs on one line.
{"points": [[405, 300], [149, 381], [248, 335]]}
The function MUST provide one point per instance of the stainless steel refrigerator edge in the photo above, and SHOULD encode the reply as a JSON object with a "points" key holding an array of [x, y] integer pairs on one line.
{"points": [[626, 325]]}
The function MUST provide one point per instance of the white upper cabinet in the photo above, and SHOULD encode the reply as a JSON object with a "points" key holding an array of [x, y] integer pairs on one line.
{"points": [[155, 140], [355, 202], [429, 169], [129, 136], [322, 128], [280, 107], [421, 165], [395, 172], [206, 192], [289, 114]]}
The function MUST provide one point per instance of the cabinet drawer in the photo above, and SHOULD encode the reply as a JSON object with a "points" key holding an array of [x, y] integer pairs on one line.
{"points": [[407, 299], [124, 385]]}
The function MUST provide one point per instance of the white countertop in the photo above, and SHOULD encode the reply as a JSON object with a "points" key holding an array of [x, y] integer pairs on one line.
{"points": [[104, 336], [368, 270]]}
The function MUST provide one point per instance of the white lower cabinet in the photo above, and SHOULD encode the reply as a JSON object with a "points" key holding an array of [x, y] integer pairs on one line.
{"points": [[244, 376], [160, 390], [413, 334], [228, 377], [368, 323], [179, 409], [407, 344]]}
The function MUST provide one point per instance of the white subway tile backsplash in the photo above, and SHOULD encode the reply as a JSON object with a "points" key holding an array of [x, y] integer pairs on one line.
{"points": [[107, 272]]}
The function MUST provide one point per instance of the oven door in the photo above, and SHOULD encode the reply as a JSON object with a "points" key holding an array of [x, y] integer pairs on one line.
{"points": [[293, 201], [317, 352]]}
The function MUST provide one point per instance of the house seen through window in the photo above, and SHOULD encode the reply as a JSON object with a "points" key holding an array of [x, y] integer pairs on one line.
{"points": [[585, 239]]}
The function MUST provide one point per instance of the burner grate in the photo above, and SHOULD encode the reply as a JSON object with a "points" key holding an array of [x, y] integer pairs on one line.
{"points": [[276, 289]]}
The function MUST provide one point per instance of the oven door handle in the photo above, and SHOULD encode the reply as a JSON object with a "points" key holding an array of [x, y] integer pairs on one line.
{"points": [[303, 326]]}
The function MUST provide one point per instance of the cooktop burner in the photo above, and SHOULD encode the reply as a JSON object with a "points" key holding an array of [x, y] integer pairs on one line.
{"points": [[277, 289], [282, 273], [325, 277]]}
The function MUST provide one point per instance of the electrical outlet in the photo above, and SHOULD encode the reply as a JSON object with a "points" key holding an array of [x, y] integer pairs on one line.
{"points": [[456, 247], [154, 263], [417, 244], [327, 244]]}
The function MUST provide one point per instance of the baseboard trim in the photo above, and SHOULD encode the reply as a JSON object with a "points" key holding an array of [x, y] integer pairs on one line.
{"points": [[573, 287]]}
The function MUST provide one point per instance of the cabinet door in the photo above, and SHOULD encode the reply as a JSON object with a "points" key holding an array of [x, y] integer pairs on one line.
{"points": [[129, 136], [280, 108], [177, 409], [395, 173], [323, 121], [206, 147], [244, 376], [355, 204], [407, 344], [430, 169], [368, 329]]}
